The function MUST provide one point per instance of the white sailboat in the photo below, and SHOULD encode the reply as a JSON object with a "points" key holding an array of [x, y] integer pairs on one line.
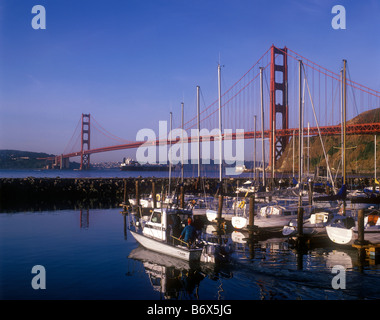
{"points": [[315, 225], [240, 219], [228, 210], [239, 222], [275, 217], [148, 202], [344, 229]]}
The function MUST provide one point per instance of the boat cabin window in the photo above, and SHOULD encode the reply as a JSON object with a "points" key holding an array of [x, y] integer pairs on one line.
{"points": [[156, 217]]}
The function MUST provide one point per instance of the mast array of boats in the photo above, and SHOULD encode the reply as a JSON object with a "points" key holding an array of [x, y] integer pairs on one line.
{"points": [[276, 211]]}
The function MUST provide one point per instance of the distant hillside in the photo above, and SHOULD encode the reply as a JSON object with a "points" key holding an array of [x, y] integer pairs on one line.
{"points": [[16, 159], [359, 150]]}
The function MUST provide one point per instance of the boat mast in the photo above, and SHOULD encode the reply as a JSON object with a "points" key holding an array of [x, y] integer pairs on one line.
{"points": [[308, 149], [273, 152], [170, 151], [182, 150], [262, 124], [199, 134], [294, 136], [344, 119], [300, 159], [344, 130], [375, 160], [220, 121], [341, 115], [254, 146]]}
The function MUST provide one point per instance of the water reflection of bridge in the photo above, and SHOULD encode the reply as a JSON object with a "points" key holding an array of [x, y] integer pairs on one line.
{"points": [[84, 218]]}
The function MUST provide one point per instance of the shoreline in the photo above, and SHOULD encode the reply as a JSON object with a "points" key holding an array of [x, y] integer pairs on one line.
{"points": [[36, 194]]}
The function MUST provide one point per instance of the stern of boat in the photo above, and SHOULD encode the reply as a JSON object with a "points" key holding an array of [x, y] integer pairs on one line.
{"points": [[340, 235]]}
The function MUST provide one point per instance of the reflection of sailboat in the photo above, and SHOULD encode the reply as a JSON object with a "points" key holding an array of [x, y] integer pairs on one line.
{"points": [[243, 248], [218, 246], [143, 254], [239, 236], [341, 258], [173, 278]]}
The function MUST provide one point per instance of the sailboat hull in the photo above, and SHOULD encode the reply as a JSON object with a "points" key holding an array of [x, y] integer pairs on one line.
{"points": [[170, 250], [340, 235], [345, 236], [239, 222]]}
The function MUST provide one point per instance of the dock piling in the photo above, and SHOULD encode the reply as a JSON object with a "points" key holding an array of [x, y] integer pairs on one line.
{"points": [[219, 218], [137, 184], [251, 213], [310, 192], [125, 193], [182, 204], [154, 194], [360, 241], [300, 222]]}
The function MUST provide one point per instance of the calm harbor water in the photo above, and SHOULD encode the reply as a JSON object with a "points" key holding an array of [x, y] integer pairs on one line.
{"points": [[91, 255], [104, 173]]}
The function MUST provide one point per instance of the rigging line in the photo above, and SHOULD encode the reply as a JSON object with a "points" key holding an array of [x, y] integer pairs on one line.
{"points": [[76, 128], [337, 92], [231, 86], [203, 99], [319, 130], [332, 100], [230, 98], [326, 97], [352, 91]]}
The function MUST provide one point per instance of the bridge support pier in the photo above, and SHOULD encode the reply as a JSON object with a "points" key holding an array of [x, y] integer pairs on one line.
{"points": [[85, 142], [64, 163], [278, 103]]}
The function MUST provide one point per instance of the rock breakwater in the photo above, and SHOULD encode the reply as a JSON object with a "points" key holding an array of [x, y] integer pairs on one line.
{"points": [[34, 194]]}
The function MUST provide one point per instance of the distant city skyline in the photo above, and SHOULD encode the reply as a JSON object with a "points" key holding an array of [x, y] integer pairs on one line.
{"points": [[130, 63]]}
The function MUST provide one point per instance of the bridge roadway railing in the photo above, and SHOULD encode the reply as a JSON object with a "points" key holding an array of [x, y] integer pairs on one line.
{"points": [[364, 128]]}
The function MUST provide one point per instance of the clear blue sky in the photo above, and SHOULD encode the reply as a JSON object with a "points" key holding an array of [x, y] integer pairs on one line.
{"points": [[130, 62]]}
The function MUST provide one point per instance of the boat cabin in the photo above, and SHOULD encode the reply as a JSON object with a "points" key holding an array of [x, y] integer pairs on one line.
{"points": [[164, 222], [319, 217]]}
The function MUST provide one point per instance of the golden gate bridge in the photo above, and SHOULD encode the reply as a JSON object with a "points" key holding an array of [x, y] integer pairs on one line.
{"points": [[280, 83]]}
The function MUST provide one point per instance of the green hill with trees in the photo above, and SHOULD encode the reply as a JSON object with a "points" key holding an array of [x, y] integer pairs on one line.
{"points": [[16, 159]]}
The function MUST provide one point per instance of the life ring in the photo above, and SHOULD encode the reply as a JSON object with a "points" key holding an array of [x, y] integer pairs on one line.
{"points": [[158, 197]]}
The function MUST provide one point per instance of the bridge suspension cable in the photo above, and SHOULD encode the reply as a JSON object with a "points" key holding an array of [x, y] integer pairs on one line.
{"points": [[240, 102]]}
